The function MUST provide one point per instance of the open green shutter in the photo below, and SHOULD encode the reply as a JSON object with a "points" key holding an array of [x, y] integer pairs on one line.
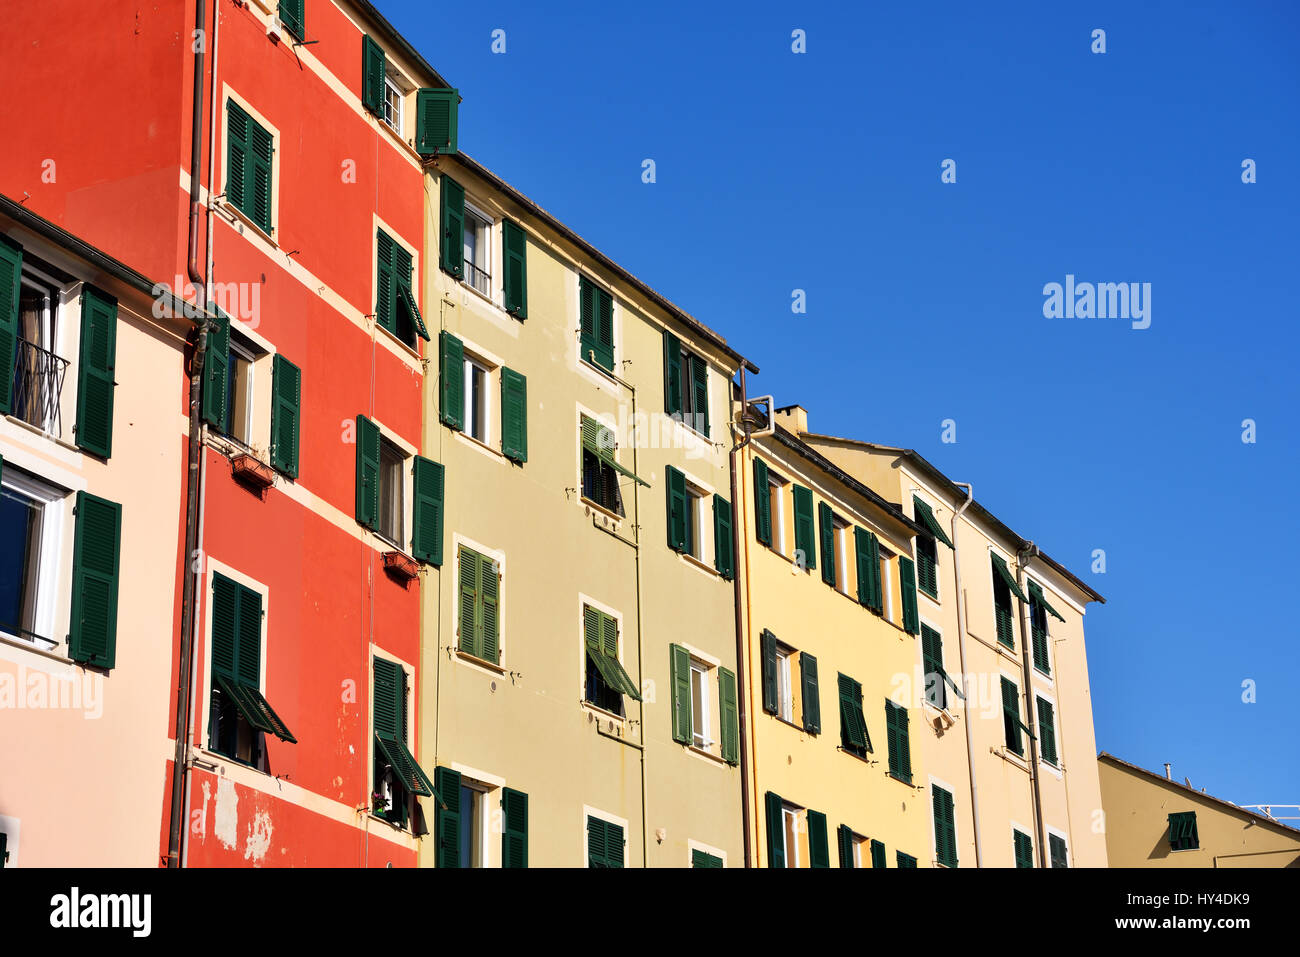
{"points": [[672, 374], [216, 369], [900, 748], [11, 271], [945, 833], [853, 731], [1024, 849], [96, 557], [293, 17], [1001, 571], [805, 539], [373, 66], [390, 700], [469, 569], [762, 504], [844, 838], [490, 604], [385, 282], [730, 716], [451, 364], [1011, 716], [826, 530], [514, 828], [447, 822], [925, 516], [877, 854], [819, 854], [700, 391], [286, 415], [95, 372], [1047, 731], [367, 472], [428, 485], [768, 643], [436, 113], [907, 576], [261, 150], [775, 830], [452, 245], [681, 677], [812, 708], [237, 163], [514, 415], [678, 519], [514, 279], [724, 559]]}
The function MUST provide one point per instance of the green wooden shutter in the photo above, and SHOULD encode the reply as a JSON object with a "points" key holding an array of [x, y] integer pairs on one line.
{"points": [[700, 387], [428, 482], [870, 590], [294, 18], [237, 162], [11, 272], [905, 860], [469, 570], [681, 677], [373, 68], [703, 859], [96, 557], [762, 504], [1047, 730], [596, 314], [451, 359], [401, 293], [604, 329], [286, 387], [1056, 847], [261, 149], [1038, 631], [95, 372], [945, 833], [826, 529], [775, 830], [216, 369], [225, 625], [586, 319], [877, 854], [390, 700], [724, 559], [436, 113], [672, 374], [452, 247], [853, 731], [367, 472], [768, 641], [514, 279], [1011, 716], [900, 747], [1024, 849], [805, 539], [447, 822], [678, 519], [385, 283], [812, 708], [248, 666], [844, 837], [932, 667], [490, 609], [907, 575], [729, 717], [514, 415], [819, 854], [514, 828]]}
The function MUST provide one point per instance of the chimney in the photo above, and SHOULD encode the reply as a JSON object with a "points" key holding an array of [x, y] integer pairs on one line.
{"points": [[794, 418], [1168, 771]]}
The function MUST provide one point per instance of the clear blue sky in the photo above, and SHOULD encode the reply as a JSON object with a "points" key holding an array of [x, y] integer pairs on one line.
{"points": [[821, 171]]}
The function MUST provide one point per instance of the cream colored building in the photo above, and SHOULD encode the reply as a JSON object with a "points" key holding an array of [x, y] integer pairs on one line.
{"points": [[1153, 821], [579, 643], [1004, 623]]}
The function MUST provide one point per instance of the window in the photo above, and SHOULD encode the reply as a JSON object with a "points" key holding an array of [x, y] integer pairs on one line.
{"points": [[790, 835], [1011, 723], [1023, 846], [853, 848], [478, 251], [606, 679], [605, 845], [35, 391], [395, 306], [249, 151], [477, 400], [1004, 586], [596, 325], [905, 860], [842, 530], [937, 681], [239, 713], [689, 518], [381, 493], [392, 462], [699, 706], [601, 468], [239, 392], [31, 520], [945, 828], [686, 385], [776, 496], [778, 684], [1039, 609], [888, 560], [472, 822], [397, 776], [1057, 851], [393, 104], [704, 859], [1047, 731], [854, 737], [877, 854], [900, 747], [697, 720], [927, 566], [1182, 831], [480, 605]]}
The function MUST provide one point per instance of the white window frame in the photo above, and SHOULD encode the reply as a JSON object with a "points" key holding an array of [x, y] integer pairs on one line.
{"points": [[700, 671], [475, 364], [246, 353], [214, 568], [791, 825], [398, 121], [785, 683], [776, 500], [887, 582], [1047, 846], [484, 246], [840, 536], [54, 504]]}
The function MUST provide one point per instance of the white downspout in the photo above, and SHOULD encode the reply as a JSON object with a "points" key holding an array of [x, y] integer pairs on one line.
{"points": [[961, 651]]}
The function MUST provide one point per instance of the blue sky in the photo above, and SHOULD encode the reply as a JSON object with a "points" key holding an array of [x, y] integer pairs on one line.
{"points": [[821, 171]]}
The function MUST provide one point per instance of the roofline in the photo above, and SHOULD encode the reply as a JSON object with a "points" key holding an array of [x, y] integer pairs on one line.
{"points": [[997, 524], [389, 33], [1263, 818], [795, 444], [657, 298]]}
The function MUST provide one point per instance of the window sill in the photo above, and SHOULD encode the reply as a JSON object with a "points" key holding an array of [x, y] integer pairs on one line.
{"points": [[925, 594], [218, 760], [894, 777], [598, 713], [790, 724], [24, 424], [949, 719], [700, 564], [601, 510], [478, 662], [1053, 769], [396, 137], [241, 219], [488, 300], [399, 828], [410, 350], [1013, 759], [481, 445], [35, 649], [864, 758], [703, 753], [596, 367]]}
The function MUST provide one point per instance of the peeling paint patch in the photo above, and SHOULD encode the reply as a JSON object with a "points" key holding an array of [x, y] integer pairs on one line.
{"points": [[226, 823], [259, 838]]}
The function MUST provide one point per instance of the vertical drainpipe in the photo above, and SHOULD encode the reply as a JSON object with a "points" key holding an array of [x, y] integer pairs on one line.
{"points": [[1023, 554], [741, 674], [961, 651]]}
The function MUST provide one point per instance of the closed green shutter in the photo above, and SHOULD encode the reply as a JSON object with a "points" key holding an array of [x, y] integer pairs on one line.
{"points": [[678, 518], [225, 626], [812, 708], [96, 559], [11, 272], [373, 68], [906, 860], [514, 415], [762, 504], [945, 832], [870, 591], [730, 716], [469, 570], [844, 837], [451, 359], [390, 699], [907, 576], [237, 162], [514, 279], [723, 553], [927, 566], [900, 746], [805, 539], [385, 283], [1011, 716], [261, 148], [1038, 629], [853, 728], [367, 472], [428, 482], [681, 676], [490, 609], [672, 374], [1183, 834], [826, 528], [216, 369], [1024, 849], [819, 854], [700, 389], [605, 843], [95, 372], [877, 854], [514, 828], [703, 859], [293, 17], [768, 642], [436, 113], [1057, 850], [775, 830], [604, 329], [452, 247], [447, 822], [286, 389], [1047, 731], [596, 315]]}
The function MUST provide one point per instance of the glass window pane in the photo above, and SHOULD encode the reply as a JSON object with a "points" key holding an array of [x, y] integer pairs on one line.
{"points": [[20, 537]]}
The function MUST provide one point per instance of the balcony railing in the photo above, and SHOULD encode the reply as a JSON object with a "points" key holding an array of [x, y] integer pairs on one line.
{"points": [[477, 278], [38, 387]]}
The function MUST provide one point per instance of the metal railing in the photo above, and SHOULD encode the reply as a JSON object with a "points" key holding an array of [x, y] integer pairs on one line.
{"points": [[38, 387], [478, 278]]}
